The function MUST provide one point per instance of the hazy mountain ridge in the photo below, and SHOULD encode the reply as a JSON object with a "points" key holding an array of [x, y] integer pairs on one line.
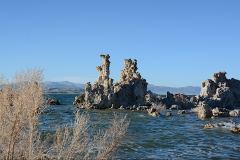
{"points": [[188, 90], [70, 87], [63, 87]]}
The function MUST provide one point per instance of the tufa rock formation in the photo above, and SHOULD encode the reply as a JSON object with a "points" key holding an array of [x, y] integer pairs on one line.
{"points": [[153, 112], [218, 96], [129, 91], [171, 101], [203, 111], [221, 92], [234, 113], [220, 112]]}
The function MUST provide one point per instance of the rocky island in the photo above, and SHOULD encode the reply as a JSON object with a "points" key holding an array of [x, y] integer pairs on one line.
{"points": [[219, 96], [129, 92]]}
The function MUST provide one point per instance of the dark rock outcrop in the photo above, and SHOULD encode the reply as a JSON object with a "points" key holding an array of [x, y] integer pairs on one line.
{"points": [[173, 101], [129, 91], [52, 101]]}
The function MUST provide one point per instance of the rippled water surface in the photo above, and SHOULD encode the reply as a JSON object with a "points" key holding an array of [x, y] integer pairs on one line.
{"points": [[176, 137]]}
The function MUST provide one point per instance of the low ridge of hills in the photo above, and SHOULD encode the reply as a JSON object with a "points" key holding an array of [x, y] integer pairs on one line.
{"points": [[63, 87], [162, 90]]}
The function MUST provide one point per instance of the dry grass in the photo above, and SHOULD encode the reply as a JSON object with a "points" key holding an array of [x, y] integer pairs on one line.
{"points": [[76, 143], [108, 141], [20, 108]]}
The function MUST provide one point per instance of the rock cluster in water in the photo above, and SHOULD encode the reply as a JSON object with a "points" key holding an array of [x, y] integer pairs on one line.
{"points": [[234, 128], [219, 97], [130, 91], [171, 101], [221, 92]]}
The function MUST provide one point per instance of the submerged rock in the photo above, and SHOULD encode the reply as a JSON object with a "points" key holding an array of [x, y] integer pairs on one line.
{"points": [[234, 128], [52, 101], [209, 126], [168, 114], [129, 91]]}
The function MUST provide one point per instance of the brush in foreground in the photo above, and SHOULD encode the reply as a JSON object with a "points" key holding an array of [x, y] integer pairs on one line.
{"points": [[20, 107]]}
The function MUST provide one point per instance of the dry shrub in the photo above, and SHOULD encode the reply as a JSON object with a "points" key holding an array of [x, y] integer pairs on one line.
{"points": [[19, 110], [108, 141], [20, 107], [72, 142], [75, 142]]}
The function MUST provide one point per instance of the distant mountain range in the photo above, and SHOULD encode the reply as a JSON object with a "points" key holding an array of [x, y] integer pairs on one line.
{"points": [[63, 87], [70, 87], [189, 90]]}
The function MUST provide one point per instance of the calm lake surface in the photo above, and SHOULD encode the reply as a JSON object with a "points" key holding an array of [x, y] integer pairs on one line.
{"points": [[176, 137]]}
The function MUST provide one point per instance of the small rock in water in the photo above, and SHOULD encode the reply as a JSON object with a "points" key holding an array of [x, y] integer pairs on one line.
{"points": [[203, 111], [209, 126], [153, 112], [234, 113], [112, 107], [182, 112], [134, 107], [235, 130], [174, 107], [121, 108], [168, 114], [53, 101]]}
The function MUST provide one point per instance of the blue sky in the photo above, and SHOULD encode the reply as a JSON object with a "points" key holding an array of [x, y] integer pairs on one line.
{"points": [[177, 43]]}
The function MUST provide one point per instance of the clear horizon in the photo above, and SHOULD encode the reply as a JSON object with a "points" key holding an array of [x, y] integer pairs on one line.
{"points": [[176, 43]]}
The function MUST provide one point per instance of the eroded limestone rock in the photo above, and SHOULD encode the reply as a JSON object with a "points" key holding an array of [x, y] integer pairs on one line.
{"points": [[235, 130], [208, 88], [221, 92], [174, 101], [234, 113], [209, 126], [203, 111], [220, 112], [129, 91], [153, 112]]}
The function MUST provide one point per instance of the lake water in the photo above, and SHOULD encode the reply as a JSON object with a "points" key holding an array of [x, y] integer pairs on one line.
{"points": [[176, 137]]}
